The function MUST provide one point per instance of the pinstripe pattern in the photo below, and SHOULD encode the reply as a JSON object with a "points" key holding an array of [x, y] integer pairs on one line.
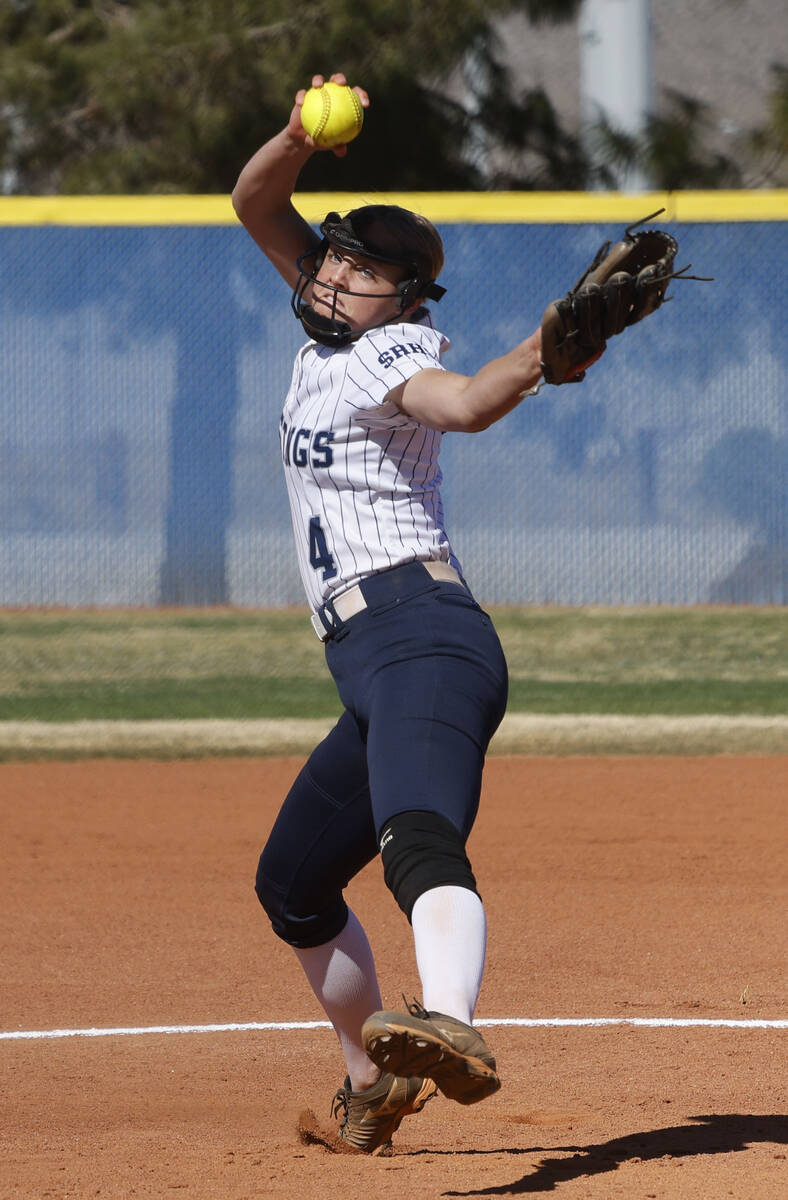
{"points": [[364, 471]]}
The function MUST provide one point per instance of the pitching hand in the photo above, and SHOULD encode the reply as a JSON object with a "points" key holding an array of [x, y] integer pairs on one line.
{"points": [[296, 129]]}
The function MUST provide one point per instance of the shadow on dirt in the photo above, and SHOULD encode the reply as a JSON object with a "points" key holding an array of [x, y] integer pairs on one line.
{"points": [[718, 1134]]}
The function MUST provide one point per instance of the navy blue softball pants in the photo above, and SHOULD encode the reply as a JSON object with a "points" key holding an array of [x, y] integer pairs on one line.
{"points": [[423, 679]]}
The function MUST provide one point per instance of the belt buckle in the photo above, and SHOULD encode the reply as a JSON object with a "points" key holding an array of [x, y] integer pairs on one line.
{"points": [[319, 628]]}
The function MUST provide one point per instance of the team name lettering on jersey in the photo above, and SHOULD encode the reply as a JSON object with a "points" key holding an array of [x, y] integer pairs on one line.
{"points": [[362, 477], [305, 447], [400, 350]]}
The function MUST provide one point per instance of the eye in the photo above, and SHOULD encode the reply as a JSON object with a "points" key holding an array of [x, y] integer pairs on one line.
{"points": [[367, 272]]}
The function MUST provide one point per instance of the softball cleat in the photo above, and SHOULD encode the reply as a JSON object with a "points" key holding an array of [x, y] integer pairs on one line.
{"points": [[434, 1046], [370, 1117]]}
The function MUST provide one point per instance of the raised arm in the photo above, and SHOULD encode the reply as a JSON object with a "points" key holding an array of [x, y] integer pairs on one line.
{"points": [[262, 197]]}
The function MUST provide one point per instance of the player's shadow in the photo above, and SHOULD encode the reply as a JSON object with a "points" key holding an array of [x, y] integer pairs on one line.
{"points": [[718, 1134]]}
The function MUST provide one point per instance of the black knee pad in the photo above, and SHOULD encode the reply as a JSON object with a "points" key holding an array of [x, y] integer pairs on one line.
{"points": [[420, 851], [301, 924]]}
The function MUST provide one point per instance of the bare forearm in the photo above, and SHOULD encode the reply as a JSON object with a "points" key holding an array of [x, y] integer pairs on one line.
{"points": [[499, 386], [269, 178], [262, 197], [467, 404], [262, 200]]}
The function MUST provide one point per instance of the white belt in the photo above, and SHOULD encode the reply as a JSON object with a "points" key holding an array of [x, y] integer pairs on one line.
{"points": [[348, 603]]}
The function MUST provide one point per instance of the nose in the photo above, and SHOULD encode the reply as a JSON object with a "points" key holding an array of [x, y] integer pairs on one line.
{"points": [[337, 273]]}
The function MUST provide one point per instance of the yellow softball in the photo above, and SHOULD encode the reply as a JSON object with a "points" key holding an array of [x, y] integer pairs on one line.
{"points": [[332, 114]]}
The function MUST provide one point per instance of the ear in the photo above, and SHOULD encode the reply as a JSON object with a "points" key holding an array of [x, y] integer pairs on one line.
{"points": [[410, 312]]}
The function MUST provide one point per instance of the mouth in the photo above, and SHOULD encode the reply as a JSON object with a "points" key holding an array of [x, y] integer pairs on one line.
{"points": [[326, 302]]}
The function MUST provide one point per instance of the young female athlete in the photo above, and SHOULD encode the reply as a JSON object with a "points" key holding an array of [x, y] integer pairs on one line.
{"points": [[417, 664]]}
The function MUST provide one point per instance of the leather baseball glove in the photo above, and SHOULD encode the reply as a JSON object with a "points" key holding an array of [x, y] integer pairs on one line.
{"points": [[620, 287]]}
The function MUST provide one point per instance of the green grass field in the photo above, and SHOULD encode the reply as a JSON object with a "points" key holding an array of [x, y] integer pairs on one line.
{"points": [[88, 665]]}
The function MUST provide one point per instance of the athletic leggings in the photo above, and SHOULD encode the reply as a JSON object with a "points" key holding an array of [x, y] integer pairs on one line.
{"points": [[423, 679]]}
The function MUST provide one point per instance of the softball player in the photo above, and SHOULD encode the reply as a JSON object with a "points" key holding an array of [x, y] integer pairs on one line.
{"points": [[416, 662]]}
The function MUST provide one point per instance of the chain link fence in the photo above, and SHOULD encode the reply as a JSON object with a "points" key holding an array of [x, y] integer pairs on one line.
{"points": [[143, 369]]}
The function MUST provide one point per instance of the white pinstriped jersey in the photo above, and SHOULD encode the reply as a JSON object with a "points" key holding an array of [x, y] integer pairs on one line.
{"points": [[362, 477]]}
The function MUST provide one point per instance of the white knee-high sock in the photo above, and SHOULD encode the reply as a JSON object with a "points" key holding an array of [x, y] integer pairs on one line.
{"points": [[342, 976], [450, 936]]}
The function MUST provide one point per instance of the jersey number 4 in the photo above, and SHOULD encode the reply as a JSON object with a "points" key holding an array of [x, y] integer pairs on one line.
{"points": [[319, 554]]}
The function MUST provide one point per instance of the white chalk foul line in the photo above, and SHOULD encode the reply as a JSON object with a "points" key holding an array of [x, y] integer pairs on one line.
{"points": [[524, 1022]]}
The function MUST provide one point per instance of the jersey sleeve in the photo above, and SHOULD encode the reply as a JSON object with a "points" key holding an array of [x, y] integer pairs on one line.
{"points": [[385, 358]]}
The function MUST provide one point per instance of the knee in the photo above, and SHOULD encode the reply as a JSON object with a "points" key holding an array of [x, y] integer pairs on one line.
{"points": [[298, 916], [420, 851], [271, 897]]}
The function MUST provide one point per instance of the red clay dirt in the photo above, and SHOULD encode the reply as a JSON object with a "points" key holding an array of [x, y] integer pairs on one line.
{"points": [[615, 887]]}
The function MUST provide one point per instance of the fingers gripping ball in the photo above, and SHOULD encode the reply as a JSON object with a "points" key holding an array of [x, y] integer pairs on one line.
{"points": [[332, 114]]}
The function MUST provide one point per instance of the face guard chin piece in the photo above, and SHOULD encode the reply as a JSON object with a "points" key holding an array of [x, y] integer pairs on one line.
{"points": [[329, 330], [326, 328]]}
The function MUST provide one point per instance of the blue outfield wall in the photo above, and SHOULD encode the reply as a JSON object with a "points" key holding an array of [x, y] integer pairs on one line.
{"points": [[143, 368]]}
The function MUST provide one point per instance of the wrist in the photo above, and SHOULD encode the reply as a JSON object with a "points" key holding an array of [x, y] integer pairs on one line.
{"points": [[293, 144], [530, 359]]}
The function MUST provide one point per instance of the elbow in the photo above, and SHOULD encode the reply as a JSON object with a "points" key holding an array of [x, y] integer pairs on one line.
{"points": [[464, 418], [476, 412], [461, 422], [473, 422], [242, 196], [237, 199]]}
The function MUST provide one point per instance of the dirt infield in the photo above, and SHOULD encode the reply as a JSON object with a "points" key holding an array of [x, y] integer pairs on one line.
{"points": [[618, 888]]}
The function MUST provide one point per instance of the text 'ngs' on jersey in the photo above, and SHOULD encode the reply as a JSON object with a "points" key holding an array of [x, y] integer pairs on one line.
{"points": [[304, 447]]}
